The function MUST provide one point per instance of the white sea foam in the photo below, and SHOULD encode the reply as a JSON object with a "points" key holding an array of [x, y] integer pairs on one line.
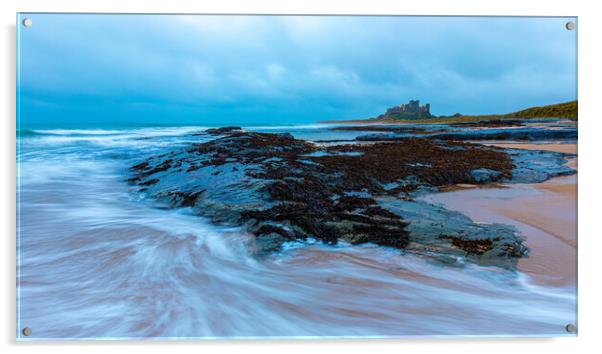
{"points": [[77, 131]]}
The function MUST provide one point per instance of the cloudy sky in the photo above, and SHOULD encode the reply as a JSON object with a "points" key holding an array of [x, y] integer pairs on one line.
{"points": [[95, 69]]}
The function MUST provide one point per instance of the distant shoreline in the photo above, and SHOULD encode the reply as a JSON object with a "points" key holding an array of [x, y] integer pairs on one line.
{"points": [[566, 110]]}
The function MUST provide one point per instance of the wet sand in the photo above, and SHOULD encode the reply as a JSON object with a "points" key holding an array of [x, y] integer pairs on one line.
{"points": [[557, 147], [545, 214]]}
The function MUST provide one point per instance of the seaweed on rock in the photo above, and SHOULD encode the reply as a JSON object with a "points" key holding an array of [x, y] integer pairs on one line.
{"points": [[281, 188]]}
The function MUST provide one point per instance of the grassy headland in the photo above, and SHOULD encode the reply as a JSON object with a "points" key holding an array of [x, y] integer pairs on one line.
{"points": [[561, 110]]}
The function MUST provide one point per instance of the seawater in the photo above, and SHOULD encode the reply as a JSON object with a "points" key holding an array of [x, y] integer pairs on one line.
{"points": [[97, 260]]}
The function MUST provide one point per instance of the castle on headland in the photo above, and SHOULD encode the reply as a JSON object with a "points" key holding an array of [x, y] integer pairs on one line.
{"points": [[410, 110]]}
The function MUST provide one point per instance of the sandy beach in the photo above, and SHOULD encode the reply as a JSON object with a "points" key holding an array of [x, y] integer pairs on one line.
{"points": [[544, 213], [557, 147]]}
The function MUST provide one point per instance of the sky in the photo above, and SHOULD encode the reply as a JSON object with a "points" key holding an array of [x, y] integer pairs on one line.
{"points": [[218, 70]]}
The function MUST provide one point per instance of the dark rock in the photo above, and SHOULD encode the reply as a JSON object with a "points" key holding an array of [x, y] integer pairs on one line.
{"points": [[149, 182], [491, 123], [519, 134], [535, 166], [283, 189], [268, 243], [379, 128], [140, 166], [223, 130], [483, 175], [432, 227], [529, 134], [471, 247]]}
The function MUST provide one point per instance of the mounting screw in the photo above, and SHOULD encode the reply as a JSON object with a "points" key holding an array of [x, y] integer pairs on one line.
{"points": [[27, 22], [570, 328], [570, 25], [26, 331]]}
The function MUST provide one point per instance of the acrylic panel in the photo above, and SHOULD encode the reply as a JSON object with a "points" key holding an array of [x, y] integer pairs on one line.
{"points": [[275, 176]]}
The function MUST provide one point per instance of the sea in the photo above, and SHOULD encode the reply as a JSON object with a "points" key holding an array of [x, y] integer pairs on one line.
{"points": [[97, 260]]}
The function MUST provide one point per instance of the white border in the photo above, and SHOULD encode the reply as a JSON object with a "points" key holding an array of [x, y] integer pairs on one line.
{"points": [[590, 128]]}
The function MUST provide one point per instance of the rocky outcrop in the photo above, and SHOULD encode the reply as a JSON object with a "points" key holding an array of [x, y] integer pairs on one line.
{"points": [[282, 189], [223, 130], [491, 123], [518, 134], [379, 128], [535, 166]]}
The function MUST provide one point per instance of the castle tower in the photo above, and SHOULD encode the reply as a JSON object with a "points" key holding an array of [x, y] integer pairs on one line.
{"points": [[414, 106]]}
